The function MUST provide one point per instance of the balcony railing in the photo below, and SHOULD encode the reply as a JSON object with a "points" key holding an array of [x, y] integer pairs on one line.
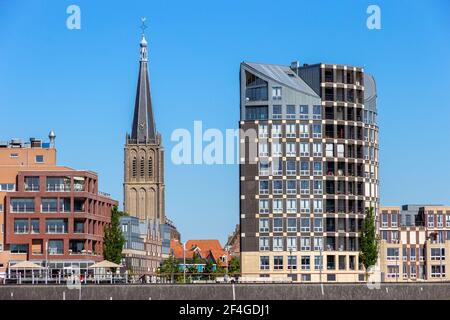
{"points": [[55, 229], [22, 208], [58, 187]]}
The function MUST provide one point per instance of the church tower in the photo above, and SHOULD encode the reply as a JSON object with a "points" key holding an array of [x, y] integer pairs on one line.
{"points": [[144, 155]]}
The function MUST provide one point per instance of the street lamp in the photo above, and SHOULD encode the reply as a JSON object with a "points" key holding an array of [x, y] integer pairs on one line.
{"points": [[184, 262]]}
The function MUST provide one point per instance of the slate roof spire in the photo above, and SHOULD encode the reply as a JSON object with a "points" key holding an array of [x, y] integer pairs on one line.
{"points": [[143, 128]]}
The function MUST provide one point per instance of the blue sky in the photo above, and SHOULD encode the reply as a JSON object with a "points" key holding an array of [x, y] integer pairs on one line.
{"points": [[81, 83]]}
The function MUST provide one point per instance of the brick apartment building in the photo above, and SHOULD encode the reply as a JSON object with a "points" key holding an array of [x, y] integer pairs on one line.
{"points": [[49, 214]]}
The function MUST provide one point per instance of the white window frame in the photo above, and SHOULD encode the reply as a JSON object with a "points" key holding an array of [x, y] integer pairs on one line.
{"points": [[277, 244], [263, 149], [305, 206], [305, 243], [264, 244], [263, 208], [291, 206], [263, 131], [277, 149], [304, 149], [291, 149], [291, 131], [304, 131], [318, 205], [317, 149], [276, 131], [263, 225], [277, 191], [276, 93], [276, 208]]}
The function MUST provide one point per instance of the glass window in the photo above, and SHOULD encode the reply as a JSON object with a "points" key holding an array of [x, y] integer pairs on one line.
{"points": [[292, 263], [263, 206], [278, 263], [49, 205], [304, 131], [277, 224], [22, 205], [276, 93], [318, 224], [290, 168], [317, 112], [263, 187], [291, 225], [276, 112], [55, 247], [291, 186], [277, 243], [304, 149], [290, 149], [290, 131], [56, 225], [329, 150], [306, 262], [31, 184], [256, 113], [277, 186], [305, 243], [290, 112], [263, 225], [304, 206], [317, 131], [35, 226], [263, 243], [317, 149], [318, 243], [318, 262], [304, 186], [276, 149], [304, 224], [304, 112], [291, 205], [20, 226], [304, 168], [292, 243], [264, 263], [39, 159], [277, 206], [317, 168]]}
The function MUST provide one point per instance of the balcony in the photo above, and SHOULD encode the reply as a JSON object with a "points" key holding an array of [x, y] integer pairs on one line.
{"points": [[58, 188], [22, 206]]}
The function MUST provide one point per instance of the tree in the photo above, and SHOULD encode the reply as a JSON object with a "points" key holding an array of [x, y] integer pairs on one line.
{"points": [[234, 266], [369, 243], [114, 239]]}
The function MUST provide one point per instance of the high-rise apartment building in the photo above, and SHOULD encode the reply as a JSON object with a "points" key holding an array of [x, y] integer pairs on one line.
{"points": [[309, 169], [415, 240]]}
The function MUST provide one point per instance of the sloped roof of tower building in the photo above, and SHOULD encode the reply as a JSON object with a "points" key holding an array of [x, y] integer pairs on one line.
{"points": [[143, 128], [282, 74]]}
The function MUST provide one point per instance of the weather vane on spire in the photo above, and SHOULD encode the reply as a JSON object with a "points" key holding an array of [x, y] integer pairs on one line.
{"points": [[143, 26]]}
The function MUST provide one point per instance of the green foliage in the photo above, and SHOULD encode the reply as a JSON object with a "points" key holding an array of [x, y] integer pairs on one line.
{"points": [[169, 266], [209, 266], [234, 266], [369, 243], [114, 239]]}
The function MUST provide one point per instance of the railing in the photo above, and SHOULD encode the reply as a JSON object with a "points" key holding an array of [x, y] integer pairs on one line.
{"points": [[58, 187], [33, 187], [22, 208], [56, 229]]}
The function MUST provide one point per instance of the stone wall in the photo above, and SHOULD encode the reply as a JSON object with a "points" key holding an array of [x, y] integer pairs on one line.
{"points": [[422, 291]]}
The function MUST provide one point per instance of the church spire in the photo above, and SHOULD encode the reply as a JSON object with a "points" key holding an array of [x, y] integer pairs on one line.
{"points": [[143, 128]]}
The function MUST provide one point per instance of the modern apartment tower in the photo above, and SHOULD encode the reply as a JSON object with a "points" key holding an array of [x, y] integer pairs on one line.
{"points": [[143, 165], [309, 169]]}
